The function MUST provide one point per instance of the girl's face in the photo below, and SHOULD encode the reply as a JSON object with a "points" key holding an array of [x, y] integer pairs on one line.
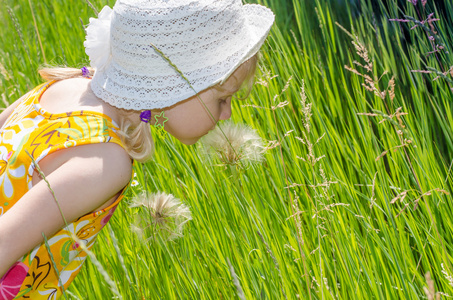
{"points": [[191, 119]]}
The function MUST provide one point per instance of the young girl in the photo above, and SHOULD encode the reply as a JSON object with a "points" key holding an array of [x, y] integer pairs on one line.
{"points": [[84, 128]]}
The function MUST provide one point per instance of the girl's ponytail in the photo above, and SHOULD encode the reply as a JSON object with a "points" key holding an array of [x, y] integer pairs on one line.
{"points": [[137, 140], [57, 74]]}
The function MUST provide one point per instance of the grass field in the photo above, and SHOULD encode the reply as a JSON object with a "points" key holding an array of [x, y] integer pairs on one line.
{"points": [[353, 197]]}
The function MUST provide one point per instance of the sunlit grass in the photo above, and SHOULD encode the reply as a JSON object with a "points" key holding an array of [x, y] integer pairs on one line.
{"points": [[329, 213]]}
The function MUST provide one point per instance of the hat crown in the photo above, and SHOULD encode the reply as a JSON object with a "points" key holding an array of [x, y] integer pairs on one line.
{"points": [[193, 35], [160, 6], [177, 12]]}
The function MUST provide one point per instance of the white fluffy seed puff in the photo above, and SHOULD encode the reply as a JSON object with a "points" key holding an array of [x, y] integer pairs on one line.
{"points": [[237, 144], [159, 214]]}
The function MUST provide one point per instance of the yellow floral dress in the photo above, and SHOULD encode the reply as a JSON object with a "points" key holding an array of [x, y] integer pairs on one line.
{"points": [[31, 128]]}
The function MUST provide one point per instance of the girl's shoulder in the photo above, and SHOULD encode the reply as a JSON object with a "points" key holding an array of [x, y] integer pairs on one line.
{"points": [[74, 94], [93, 157], [102, 163]]}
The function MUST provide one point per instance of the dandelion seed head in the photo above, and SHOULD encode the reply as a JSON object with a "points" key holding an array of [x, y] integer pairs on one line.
{"points": [[159, 214], [237, 144]]}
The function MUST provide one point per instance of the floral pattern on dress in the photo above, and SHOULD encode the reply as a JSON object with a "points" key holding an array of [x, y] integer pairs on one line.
{"points": [[31, 128], [11, 282], [8, 174]]}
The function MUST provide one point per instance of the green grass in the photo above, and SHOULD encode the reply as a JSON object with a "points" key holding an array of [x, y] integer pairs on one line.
{"points": [[347, 249]]}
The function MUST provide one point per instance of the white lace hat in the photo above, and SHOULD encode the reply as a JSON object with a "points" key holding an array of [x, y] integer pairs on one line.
{"points": [[206, 39]]}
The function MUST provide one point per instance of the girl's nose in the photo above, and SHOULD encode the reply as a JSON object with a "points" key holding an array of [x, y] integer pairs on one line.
{"points": [[225, 112]]}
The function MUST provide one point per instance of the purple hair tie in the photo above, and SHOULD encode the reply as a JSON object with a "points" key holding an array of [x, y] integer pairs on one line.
{"points": [[145, 116], [85, 72]]}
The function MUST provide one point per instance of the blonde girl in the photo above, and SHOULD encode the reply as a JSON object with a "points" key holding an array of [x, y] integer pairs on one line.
{"points": [[84, 127]]}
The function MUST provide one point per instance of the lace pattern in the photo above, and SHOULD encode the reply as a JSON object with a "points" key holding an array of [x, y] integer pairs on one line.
{"points": [[206, 39]]}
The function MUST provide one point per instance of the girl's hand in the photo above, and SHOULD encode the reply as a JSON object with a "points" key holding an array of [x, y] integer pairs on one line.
{"points": [[90, 176]]}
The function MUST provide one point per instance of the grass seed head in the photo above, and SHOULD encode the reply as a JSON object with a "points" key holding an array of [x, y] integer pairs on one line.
{"points": [[446, 275], [159, 214]]}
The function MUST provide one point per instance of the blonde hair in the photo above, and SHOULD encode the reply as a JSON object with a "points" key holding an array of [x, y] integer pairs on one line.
{"points": [[138, 140]]}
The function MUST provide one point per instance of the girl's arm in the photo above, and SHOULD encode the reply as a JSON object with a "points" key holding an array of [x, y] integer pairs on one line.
{"points": [[92, 175]]}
